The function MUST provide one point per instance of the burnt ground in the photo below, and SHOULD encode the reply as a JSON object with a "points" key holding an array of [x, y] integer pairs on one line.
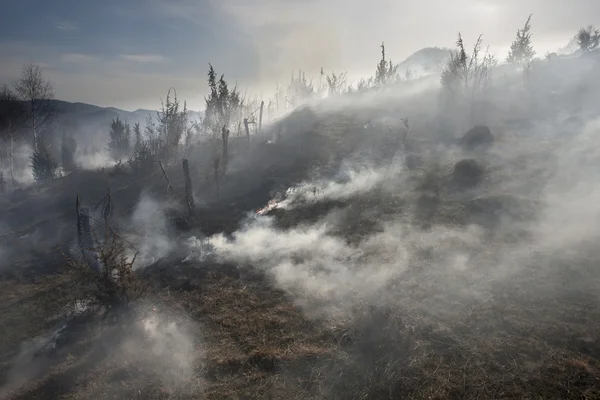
{"points": [[532, 337]]}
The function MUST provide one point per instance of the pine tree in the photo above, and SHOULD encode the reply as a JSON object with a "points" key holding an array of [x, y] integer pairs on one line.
{"points": [[43, 164], [521, 51], [120, 134], [386, 71], [223, 105], [137, 133], [2, 182], [588, 39], [172, 123]]}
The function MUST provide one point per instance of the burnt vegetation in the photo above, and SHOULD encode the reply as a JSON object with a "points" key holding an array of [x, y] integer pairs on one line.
{"points": [[335, 241]]}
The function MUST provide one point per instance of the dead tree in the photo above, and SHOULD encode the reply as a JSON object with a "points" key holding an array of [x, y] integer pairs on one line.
{"points": [[270, 110], [225, 137], [169, 187], [247, 128], [84, 237], [79, 227], [406, 130], [260, 117], [216, 162], [189, 198], [107, 212]]}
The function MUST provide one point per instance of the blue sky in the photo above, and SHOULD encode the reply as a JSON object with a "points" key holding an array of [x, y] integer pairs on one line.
{"points": [[128, 53]]}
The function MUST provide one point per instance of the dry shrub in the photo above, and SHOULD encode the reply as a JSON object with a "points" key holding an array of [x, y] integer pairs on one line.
{"points": [[117, 285]]}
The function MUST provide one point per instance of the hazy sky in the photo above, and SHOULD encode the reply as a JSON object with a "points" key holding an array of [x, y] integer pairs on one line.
{"points": [[127, 53]]}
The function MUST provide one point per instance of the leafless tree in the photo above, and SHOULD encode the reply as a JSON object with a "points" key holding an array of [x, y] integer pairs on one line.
{"points": [[37, 94], [469, 75], [336, 84]]}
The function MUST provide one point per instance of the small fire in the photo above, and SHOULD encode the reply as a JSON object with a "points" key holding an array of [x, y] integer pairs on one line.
{"points": [[270, 206]]}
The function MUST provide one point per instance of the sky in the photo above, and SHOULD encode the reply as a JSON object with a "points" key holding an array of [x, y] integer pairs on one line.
{"points": [[128, 53]]}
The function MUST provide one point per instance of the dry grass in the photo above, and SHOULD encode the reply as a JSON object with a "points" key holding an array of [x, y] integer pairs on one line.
{"points": [[252, 342]]}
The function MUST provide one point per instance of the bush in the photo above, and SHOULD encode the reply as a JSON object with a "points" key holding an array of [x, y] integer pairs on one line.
{"points": [[467, 75], [42, 163], [479, 137], [468, 173], [142, 160], [116, 286]]}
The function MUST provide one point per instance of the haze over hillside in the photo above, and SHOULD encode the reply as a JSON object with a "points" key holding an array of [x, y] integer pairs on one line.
{"points": [[86, 120], [426, 231]]}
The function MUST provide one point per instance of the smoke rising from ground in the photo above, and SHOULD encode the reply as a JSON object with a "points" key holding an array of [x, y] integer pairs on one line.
{"points": [[152, 344], [539, 190], [152, 234]]}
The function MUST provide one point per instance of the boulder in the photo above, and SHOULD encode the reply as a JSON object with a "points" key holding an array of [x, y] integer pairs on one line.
{"points": [[478, 137], [468, 173]]}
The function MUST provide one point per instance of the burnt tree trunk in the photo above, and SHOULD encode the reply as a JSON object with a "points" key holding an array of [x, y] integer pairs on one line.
{"points": [[216, 170], [247, 128], [84, 237], [169, 187], [260, 117], [225, 137], [189, 198]]}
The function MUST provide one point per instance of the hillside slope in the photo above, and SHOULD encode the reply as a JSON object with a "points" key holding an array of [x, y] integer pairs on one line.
{"points": [[421, 264]]}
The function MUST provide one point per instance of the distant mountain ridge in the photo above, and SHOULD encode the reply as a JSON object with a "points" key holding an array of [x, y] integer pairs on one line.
{"points": [[425, 61], [91, 123], [77, 110]]}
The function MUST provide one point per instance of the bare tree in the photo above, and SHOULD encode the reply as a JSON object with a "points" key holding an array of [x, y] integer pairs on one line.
{"points": [[336, 83], [300, 89], [37, 94], [466, 74], [588, 39]]}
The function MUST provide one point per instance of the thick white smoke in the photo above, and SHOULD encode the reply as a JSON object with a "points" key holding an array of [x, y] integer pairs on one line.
{"points": [[152, 237]]}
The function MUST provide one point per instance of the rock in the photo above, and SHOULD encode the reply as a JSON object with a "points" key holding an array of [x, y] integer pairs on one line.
{"points": [[468, 173], [479, 137]]}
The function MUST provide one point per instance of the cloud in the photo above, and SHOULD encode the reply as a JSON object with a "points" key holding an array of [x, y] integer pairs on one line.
{"points": [[77, 58], [67, 26], [143, 58]]}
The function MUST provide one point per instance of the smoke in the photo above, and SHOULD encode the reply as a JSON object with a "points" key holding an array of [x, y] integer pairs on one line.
{"points": [[27, 364], [93, 159], [151, 344], [21, 171], [537, 204], [317, 266], [351, 180], [166, 345], [572, 195], [151, 227]]}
